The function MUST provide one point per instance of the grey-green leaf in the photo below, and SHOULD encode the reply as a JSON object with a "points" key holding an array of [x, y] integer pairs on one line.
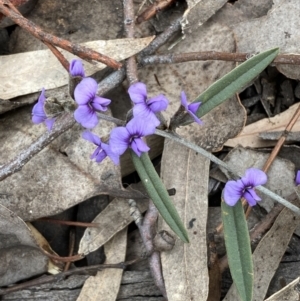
{"points": [[234, 81], [238, 249], [159, 195]]}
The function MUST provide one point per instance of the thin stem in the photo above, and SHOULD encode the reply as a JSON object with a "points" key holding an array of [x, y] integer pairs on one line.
{"points": [[214, 159]]}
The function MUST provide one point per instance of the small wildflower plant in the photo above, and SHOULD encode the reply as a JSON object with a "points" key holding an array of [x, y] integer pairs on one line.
{"points": [[144, 122]]}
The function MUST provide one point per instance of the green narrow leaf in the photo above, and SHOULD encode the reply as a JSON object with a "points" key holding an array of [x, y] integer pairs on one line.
{"points": [[237, 242], [234, 81], [159, 195]]}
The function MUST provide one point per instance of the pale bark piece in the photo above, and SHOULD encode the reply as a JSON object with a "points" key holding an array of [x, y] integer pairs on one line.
{"points": [[18, 78], [106, 284], [249, 136], [251, 35], [185, 266], [198, 12], [280, 182], [111, 220], [59, 177], [254, 9], [289, 292], [194, 78], [268, 254]]}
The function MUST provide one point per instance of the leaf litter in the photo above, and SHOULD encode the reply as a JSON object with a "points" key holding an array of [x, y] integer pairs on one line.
{"points": [[67, 156]]}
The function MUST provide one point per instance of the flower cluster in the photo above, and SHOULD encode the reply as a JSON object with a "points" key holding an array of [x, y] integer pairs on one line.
{"points": [[143, 123], [244, 187]]}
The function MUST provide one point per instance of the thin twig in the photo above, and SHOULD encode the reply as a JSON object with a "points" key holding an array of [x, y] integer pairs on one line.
{"points": [[278, 146], [61, 276], [129, 26], [152, 10], [146, 228], [64, 62], [174, 58], [68, 223], [71, 248], [61, 125], [8, 9]]}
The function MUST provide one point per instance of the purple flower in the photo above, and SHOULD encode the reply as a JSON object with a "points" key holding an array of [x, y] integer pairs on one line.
{"points": [[131, 136], [297, 181], [146, 108], [234, 190], [88, 103], [191, 108], [76, 68], [102, 151], [38, 112]]}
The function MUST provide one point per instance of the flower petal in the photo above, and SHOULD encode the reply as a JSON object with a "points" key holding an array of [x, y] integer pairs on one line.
{"points": [[193, 107], [85, 91], [89, 136], [119, 140], [196, 118], [101, 156], [139, 146], [297, 181], [184, 100], [143, 112], [86, 116], [158, 103], [76, 68], [251, 197], [100, 103], [233, 191], [254, 177], [49, 123], [138, 93], [140, 127], [114, 157], [38, 111], [96, 153]]}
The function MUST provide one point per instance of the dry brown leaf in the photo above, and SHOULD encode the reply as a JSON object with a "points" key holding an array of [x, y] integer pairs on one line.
{"points": [[46, 71], [111, 220], [249, 136], [198, 12], [60, 176], [20, 256], [258, 34], [280, 182], [185, 266], [195, 77], [105, 285], [289, 292], [268, 254]]}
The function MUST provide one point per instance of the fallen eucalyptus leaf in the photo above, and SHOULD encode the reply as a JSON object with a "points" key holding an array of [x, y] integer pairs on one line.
{"points": [[249, 136], [46, 71], [106, 284], [185, 266], [114, 218]]}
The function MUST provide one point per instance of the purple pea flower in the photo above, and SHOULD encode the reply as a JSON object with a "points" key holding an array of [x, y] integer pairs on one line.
{"points": [[76, 68], [88, 103], [297, 180], [146, 108], [191, 108], [38, 112], [244, 187], [131, 136], [102, 151]]}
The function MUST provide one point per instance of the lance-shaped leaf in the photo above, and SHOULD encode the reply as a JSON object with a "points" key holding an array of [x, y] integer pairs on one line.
{"points": [[238, 249], [159, 195], [233, 82]]}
